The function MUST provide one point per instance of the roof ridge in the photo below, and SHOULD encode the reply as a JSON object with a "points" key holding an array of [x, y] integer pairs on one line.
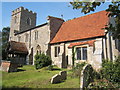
{"points": [[85, 16], [56, 18]]}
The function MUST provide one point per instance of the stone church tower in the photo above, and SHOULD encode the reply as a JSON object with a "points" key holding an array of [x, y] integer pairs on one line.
{"points": [[26, 39], [21, 20]]}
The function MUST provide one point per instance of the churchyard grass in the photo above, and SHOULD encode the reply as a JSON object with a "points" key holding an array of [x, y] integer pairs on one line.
{"points": [[32, 78]]}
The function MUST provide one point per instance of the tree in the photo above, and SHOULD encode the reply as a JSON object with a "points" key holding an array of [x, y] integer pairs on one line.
{"points": [[0, 45], [113, 9], [5, 39]]}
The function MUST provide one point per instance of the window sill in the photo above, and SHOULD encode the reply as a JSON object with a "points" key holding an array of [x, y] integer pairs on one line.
{"points": [[80, 61]]}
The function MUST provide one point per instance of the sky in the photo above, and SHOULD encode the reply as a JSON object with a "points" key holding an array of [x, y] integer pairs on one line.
{"points": [[44, 9]]}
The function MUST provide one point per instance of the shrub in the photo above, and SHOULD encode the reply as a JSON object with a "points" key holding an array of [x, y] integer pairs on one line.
{"points": [[111, 70], [77, 69], [42, 60]]}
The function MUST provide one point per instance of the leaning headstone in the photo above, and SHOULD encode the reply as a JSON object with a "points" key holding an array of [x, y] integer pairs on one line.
{"points": [[13, 67], [86, 76], [63, 75], [8, 66], [5, 66], [56, 79]]}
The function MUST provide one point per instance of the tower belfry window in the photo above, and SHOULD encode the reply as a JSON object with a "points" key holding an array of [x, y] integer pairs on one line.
{"points": [[28, 21]]}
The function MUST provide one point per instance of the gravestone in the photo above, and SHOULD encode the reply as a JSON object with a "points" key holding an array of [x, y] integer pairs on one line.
{"points": [[8, 66], [63, 75], [56, 79], [86, 76]]}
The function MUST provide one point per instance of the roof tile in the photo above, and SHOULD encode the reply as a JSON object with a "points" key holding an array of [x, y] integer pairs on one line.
{"points": [[88, 26], [90, 43], [17, 47]]}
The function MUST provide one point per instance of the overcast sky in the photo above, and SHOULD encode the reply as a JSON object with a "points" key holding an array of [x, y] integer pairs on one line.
{"points": [[43, 9]]}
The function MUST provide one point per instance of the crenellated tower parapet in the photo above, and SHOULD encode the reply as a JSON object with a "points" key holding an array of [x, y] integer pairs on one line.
{"points": [[22, 20], [18, 10]]}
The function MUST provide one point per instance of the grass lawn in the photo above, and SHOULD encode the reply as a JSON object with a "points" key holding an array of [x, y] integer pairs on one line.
{"points": [[32, 78]]}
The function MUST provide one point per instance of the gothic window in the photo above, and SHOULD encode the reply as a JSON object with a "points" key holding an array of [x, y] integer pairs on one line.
{"points": [[117, 44], [38, 49], [28, 21], [36, 35], [81, 53], [26, 38], [15, 19], [57, 51]]}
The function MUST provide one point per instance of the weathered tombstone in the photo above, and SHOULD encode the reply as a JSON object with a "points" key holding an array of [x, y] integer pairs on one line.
{"points": [[59, 77], [63, 75], [5, 66], [56, 79], [86, 76], [13, 67], [8, 66]]}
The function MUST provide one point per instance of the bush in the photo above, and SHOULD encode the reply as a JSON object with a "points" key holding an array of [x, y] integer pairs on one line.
{"points": [[111, 70], [77, 69], [42, 60]]}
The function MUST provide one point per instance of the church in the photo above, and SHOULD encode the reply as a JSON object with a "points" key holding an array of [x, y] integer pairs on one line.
{"points": [[83, 39]]}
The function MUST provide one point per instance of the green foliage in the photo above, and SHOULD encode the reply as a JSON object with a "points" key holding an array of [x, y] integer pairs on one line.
{"points": [[77, 69], [42, 60], [86, 6], [73, 56], [101, 84], [113, 9], [111, 70], [114, 12], [5, 39]]}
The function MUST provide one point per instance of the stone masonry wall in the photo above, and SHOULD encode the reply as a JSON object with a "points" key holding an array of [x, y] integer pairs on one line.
{"points": [[19, 21]]}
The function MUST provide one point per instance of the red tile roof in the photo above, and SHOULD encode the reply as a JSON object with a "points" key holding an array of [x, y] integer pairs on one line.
{"points": [[17, 47], [90, 43], [88, 26]]}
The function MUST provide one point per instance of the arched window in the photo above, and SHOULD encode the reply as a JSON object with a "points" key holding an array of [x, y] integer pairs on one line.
{"points": [[15, 19], [36, 35], [38, 49], [28, 21]]}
